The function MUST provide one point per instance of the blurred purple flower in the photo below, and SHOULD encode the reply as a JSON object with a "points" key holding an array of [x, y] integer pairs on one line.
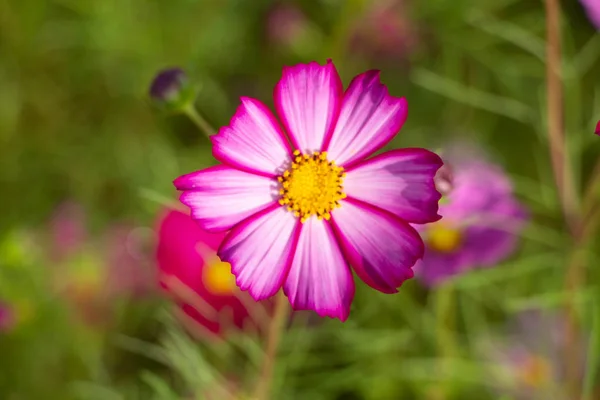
{"points": [[7, 317], [122, 270], [285, 24], [593, 11], [168, 85], [128, 261], [480, 219], [67, 230], [385, 31], [529, 364], [597, 132]]}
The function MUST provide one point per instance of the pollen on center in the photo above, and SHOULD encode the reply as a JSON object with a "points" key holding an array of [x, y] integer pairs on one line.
{"points": [[311, 186]]}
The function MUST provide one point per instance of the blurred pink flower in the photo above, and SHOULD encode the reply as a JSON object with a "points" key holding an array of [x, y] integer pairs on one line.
{"points": [[113, 267], [593, 11], [385, 31], [189, 254], [67, 230], [128, 261], [529, 363], [480, 222], [597, 132], [285, 24]]}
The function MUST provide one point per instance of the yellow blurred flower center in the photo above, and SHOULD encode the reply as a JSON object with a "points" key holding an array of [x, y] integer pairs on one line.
{"points": [[443, 237], [312, 186], [218, 279], [535, 371]]}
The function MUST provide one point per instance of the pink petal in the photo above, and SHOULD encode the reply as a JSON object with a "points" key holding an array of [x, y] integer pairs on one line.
{"points": [[369, 119], [253, 141], [399, 181], [260, 251], [220, 196], [319, 278], [381, 248], [308, 99]]}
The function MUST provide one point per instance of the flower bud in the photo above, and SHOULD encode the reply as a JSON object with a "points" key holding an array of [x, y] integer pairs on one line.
{"points": [[171, 89]]}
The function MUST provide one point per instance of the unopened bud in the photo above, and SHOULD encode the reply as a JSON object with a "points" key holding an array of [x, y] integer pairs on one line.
{"points": [[171, 89]]}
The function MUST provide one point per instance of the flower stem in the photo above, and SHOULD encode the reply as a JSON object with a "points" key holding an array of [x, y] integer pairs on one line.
{"points": [[560, 166], [582, 225], [276, 327], [445, 297], [198, 120]]}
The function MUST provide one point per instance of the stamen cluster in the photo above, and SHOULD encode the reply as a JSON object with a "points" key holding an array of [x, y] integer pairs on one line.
{"points": [[312, 186]]}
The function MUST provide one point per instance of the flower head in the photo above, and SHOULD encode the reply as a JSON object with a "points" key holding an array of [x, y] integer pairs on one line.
{"points": [[530, 363], [285, 24], [386, 31], [597, 131], [171, 89], [299, 215], [481, 219], [593, 10], [188, 254]]}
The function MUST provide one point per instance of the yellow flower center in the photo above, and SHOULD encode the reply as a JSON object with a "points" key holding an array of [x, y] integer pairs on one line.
{"points": [[311, 186], [217, 277], [535, 371], [443, 237]]}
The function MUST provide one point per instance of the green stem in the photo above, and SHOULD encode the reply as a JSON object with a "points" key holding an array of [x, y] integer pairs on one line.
{"points": [[446, 341], [198, 120], [276, 327]]}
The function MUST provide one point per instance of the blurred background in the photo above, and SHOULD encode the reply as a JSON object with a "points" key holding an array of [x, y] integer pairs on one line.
{"points": [[109, 291]]}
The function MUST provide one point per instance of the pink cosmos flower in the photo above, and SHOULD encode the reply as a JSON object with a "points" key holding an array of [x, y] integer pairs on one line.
{"points": [[481, 220], [386, 31], [189, 254], [285, 24], [593, 10], [299, 215]]}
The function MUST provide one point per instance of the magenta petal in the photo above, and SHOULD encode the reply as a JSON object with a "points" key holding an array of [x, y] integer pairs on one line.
{"points": [[260, 250], [597, 131], [308, 99], [381, 248], [319, 278], [220, 196], [398, 181], [369, 118], [253, 141]]}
